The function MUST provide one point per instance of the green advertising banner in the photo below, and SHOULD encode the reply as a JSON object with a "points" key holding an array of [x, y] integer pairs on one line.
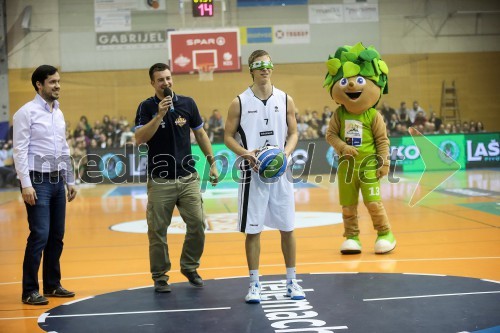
{"points": [[440, 152], [311, 157]]}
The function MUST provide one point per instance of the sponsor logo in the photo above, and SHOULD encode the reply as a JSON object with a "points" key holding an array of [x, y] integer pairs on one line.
{"points": [[182, 61], [180, 121], [206, 41], [483, 152], [448, 151], [284, 312], [126, 38], [266, 133]]}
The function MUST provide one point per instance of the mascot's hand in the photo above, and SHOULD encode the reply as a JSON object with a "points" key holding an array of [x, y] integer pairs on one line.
{"points": [[382, 171], [349, 150]]}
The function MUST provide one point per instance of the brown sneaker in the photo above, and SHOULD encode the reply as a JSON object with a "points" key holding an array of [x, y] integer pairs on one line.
{"points": [[34, 298], [58, 292]]}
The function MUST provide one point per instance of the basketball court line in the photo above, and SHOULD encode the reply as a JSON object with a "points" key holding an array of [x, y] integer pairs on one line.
{"points": [[427, 296], [42, 317], [278, 265]]}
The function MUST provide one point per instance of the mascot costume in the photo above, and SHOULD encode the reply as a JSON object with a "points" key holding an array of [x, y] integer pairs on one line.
{"points": [[356, 80]]}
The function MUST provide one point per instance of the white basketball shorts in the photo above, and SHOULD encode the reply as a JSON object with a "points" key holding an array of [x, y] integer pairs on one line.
{"points": [[265, 204]]}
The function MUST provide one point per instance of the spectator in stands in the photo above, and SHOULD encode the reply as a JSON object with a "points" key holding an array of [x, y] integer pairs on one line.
{"points": [[79, 155], [402, 129], [404, 114], [126, 135], [307, 115], [465, 127], [392, 124], [84, 124], [109, 132], [324, 128], [302, 128], [473, 126], [315, 124], [412, 114], [7, 170], [480, 127], [435, 121], [327, 115], [387, 112], [419, 119], [216, 127], [105, 121], [98, 125], [429, 128], [94, 144]]}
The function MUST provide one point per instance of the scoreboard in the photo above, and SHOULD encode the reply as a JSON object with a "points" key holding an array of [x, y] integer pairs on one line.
{"points": [[203, 8]]}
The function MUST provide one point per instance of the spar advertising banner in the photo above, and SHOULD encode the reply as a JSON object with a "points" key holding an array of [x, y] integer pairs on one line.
{"points": [[311, 157], [190, 50]]}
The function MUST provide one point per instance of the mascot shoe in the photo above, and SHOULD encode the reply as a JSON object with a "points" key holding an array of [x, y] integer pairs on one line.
{"points": [[385, 243], [351, 245]]}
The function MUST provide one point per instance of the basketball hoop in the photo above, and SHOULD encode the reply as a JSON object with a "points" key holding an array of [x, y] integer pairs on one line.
{"points": [[206, 72]]}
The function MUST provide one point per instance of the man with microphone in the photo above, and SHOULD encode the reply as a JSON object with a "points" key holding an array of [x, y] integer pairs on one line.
{"points": [[163, 122]]}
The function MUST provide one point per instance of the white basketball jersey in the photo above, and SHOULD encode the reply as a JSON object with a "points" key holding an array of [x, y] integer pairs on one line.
{"points": [[260, 203], [262, 124]]}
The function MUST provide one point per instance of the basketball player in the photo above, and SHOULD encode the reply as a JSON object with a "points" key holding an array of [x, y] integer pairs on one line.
{"points": [[264, 115]]}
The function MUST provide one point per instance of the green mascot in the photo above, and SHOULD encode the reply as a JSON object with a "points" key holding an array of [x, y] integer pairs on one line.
{"points": [[356, 79]]}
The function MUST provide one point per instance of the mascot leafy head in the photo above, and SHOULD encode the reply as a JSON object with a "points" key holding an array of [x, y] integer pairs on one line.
{"points": [[357, 60]]}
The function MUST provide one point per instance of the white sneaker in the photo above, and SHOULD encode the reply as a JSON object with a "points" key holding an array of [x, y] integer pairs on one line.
{"points": [[294, 291], [253, 295]]}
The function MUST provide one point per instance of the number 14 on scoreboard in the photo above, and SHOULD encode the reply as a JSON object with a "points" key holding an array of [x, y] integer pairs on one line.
{"points": [[203, 8]]}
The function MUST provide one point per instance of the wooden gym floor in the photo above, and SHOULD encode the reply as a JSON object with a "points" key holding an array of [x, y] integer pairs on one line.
{"points": [[452, 231]]}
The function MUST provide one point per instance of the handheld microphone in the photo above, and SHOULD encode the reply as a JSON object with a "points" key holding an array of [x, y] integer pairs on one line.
{"points": [[168, 92]]}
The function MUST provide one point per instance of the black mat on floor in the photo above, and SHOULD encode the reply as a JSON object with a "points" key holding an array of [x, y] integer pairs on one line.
{"points": [[357, 302]]}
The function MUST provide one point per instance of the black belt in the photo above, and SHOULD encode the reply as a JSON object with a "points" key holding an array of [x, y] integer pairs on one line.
{"points": [[53, 174]]}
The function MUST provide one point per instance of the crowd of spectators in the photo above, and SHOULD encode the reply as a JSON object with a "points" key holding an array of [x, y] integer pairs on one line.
{"points": [[312, 125], [398, 121]]}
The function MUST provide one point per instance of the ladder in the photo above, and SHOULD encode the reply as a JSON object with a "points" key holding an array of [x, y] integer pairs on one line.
{"points": [[449, 104]]}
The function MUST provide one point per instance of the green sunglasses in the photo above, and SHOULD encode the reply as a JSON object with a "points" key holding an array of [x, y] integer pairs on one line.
{"points": [[262, 65]]}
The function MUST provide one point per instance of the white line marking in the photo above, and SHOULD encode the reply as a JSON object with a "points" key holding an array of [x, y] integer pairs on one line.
{"points": [[16, 318], [425, 296], [78, 300], [424, 274], [319, 273], [42, 317], [136, 312], [317, 329], [232, 277], [490, 280], [143, 287]]}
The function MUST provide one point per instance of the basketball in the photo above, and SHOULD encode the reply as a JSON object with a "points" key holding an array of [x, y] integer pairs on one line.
{"points": [[271, 161]]}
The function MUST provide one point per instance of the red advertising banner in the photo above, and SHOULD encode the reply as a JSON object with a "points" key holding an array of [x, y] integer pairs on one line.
{"points": [[190, 50]]}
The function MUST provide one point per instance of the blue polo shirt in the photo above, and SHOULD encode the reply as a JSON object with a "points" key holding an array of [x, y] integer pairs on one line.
{"points": [[169, 154]]}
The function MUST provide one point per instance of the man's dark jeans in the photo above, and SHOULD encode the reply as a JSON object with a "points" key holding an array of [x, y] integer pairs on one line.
{"points": [[46, 221]]}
